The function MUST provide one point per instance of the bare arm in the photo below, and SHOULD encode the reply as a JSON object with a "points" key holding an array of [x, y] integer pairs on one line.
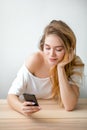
{"points": [[25, 108], [69, 93], [14, 101]]}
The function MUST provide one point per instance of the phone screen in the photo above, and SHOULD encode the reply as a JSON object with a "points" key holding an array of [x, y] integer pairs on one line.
{"points": [[31, 98]]}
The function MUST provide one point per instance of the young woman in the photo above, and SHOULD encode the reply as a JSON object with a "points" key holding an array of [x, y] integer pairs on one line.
{"points": [[55, 71]]}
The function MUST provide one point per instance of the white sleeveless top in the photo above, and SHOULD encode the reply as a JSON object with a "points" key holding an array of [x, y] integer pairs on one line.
{"points": [[26, 82]]}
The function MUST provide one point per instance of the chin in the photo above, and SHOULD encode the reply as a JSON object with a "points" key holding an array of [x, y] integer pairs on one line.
{"points": [[52, 64]]}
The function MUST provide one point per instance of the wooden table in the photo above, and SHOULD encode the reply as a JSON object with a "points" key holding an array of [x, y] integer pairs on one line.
{"points": [[50, 117]]}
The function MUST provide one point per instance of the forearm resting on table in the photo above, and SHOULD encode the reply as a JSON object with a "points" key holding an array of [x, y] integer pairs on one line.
{"points": [[14, 102]]}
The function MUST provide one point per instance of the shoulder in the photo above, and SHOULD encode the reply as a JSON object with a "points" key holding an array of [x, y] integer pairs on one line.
{"points": [[34, 61], [78, 66], [78, 60]]}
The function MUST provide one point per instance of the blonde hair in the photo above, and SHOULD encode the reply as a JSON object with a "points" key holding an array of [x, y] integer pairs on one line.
{"points": [[63, 31]]}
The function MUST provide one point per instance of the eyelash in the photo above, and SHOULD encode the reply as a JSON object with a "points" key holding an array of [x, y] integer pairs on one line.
{"points": [[59, 50], [55, 49], [47, 48]]}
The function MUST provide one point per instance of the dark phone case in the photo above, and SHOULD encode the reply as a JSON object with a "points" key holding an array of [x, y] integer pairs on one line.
{"points": [[31, 98]]}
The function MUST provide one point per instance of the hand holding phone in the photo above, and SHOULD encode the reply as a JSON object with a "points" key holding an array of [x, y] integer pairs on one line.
{"points": [[31, 98]]}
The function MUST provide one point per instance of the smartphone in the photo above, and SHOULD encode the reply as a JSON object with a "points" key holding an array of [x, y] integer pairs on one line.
{"points": [[31, 98]]}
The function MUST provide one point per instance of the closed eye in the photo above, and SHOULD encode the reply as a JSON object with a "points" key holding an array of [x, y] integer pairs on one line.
{"points": [[47, 48], [59, 49]]}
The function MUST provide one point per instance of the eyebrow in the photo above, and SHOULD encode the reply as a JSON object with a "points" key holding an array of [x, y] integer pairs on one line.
{"points": [[54, 46]]}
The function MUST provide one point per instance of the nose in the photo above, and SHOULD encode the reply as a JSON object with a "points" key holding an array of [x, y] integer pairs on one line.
{"points": [[52, 52]]}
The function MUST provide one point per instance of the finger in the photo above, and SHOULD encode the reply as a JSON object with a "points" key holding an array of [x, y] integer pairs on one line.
{"points": [[28, 113], [35, 108], [30, 108], [28, 103]]}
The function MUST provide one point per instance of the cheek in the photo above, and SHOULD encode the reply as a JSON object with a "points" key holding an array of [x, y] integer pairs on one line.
{"points": [[46, 52], [61, 55]]}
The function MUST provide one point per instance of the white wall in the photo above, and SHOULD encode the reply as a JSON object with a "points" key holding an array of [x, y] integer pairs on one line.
{"points": [[21, 25]]}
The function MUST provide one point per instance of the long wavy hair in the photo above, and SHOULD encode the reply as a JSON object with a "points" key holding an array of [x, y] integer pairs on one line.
{"points": [[62, 30]]}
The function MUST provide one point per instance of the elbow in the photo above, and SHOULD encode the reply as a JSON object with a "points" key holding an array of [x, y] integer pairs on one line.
{"points": [[70, 108], [8, 99]]}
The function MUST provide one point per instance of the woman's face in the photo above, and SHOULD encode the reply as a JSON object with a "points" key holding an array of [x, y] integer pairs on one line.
{"points": [[53, 49]]}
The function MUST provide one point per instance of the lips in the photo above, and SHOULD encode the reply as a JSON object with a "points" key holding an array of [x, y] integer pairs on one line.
{"points": [[52, 59]]}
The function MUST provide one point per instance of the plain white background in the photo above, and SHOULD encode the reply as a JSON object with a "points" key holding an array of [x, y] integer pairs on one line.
{"points": [[21, 27]]}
